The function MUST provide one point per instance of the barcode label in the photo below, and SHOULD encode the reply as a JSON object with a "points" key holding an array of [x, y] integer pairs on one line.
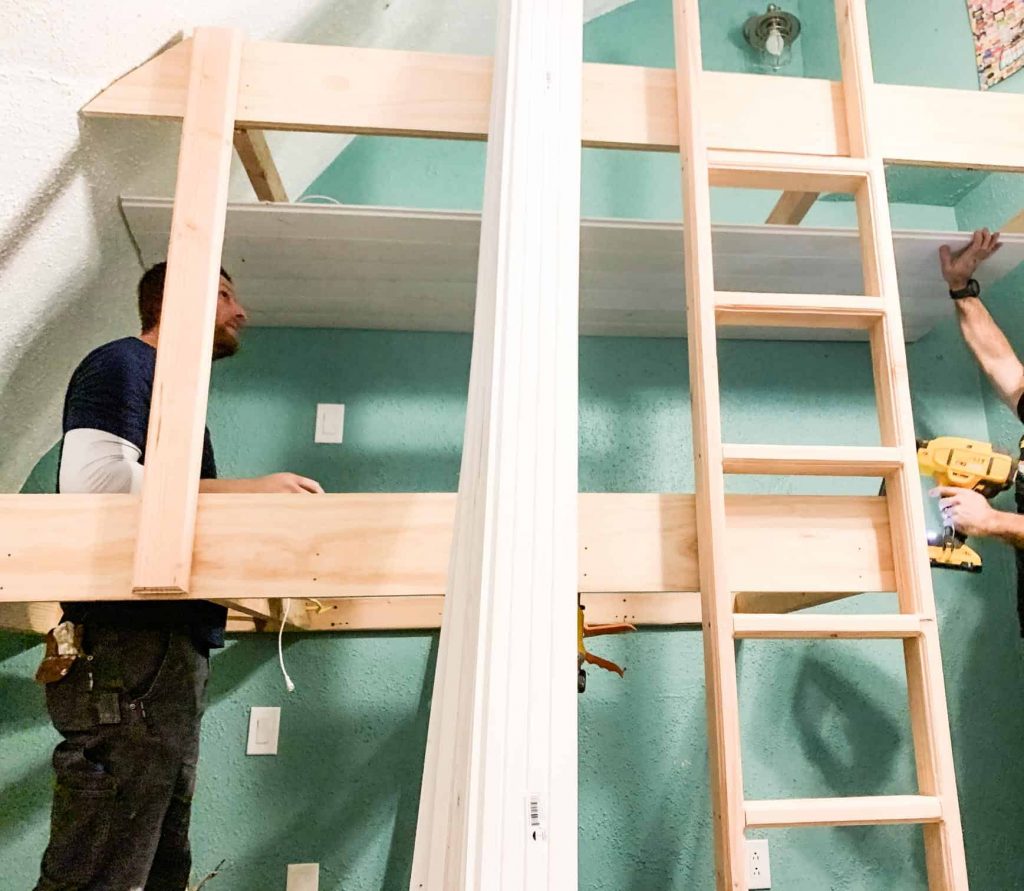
{"points": [[535, 818]]}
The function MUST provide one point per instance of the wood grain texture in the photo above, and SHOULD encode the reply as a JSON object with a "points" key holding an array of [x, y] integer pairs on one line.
{"points": [[358, 90], [181, 382], [791, 208], [395, 545], [254, 153], [867, 123], [870, 811]]}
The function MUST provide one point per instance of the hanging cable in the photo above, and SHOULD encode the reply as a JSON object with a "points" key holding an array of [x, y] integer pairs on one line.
{"points": [[280, 646]]}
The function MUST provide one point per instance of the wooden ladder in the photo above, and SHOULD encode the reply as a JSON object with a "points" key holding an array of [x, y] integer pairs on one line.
{"points": [[878, 312]]}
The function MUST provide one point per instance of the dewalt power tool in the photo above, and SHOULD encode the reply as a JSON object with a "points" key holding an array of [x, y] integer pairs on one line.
{"points": [[964, 464]]}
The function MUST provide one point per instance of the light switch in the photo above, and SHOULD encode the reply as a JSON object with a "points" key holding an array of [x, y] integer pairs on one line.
{"points": [[264, 724], [303, 877], [330, 422]]}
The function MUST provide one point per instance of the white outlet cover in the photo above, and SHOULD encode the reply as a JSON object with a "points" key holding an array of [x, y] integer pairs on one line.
{"points": [[264, 725], [759, 867], [303, 877], [330, 422]]}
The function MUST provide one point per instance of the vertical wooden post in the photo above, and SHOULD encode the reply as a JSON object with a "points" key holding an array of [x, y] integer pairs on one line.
{"points": [[936, 775], [177, 419], [498, 802], [716, 596]]}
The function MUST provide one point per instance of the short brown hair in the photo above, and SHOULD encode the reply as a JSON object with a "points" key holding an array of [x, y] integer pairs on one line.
{"points": [[151, 295]]}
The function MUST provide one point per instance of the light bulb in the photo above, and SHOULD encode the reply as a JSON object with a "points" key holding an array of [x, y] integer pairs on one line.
{"points": [[775, 44]]}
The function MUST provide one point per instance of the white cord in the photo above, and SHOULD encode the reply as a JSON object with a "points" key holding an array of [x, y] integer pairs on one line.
{"points": [[280, 649], [314, 198]]}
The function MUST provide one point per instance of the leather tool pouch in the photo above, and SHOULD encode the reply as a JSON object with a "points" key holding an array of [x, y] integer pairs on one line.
{"points": [[63, 647]]}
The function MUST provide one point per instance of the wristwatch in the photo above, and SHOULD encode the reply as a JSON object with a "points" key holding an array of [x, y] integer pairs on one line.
{"points": [[973, 289]]}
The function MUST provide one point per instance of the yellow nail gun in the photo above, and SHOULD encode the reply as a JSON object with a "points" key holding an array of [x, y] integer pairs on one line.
{"points": [[965, 464]]}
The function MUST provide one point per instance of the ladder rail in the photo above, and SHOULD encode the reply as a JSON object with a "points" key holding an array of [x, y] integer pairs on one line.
{"points": [[722, 695], [944, 849]]}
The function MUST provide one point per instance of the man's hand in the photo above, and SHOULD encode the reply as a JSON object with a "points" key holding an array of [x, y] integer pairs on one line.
{"points": [[958, 267], [965, 510], [276, 483]]}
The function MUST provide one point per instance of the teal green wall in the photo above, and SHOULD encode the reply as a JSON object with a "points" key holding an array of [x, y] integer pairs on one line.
{"points": [[818, 718]]}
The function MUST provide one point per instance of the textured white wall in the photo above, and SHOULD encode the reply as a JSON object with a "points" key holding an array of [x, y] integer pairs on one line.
{"points": [[67, 265]]}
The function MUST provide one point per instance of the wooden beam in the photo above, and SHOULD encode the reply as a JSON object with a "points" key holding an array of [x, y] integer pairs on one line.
{"points": [[663, 609], [254, 153], [869, 811], [395, 545], [1015, 224], [791, 208], [177, 418], [394, 92], [352, 90]]}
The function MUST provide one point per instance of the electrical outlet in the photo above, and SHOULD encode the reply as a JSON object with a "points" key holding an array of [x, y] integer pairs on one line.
{"points": [[759, 867], [330, 422], [303, 877], [264, 723]]}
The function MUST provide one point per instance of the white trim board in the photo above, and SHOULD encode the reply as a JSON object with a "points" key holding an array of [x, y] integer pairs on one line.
{"points": [[326, 266], [498, 805]]}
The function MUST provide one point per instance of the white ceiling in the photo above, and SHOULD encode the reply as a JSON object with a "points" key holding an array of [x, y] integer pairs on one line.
{"points": [[307, 265]]}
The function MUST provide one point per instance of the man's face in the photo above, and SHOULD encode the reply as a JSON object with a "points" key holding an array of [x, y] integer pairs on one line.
{"points": [[231, 319]]}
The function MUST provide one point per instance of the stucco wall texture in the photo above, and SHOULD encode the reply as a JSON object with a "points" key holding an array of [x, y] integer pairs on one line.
{"points": [[818, 718]]}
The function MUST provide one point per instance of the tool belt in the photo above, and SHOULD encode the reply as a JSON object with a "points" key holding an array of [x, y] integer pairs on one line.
{"points": [[63, 647]]}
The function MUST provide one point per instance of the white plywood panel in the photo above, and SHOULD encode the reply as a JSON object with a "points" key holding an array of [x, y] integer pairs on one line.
{"points": [[304, 265]]}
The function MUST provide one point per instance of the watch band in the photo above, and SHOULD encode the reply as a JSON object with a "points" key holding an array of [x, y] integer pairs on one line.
{"points": [[972, 289]]}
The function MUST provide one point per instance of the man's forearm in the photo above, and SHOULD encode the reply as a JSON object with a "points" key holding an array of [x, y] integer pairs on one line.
{"points": [[1007, 527], [991, 349]]}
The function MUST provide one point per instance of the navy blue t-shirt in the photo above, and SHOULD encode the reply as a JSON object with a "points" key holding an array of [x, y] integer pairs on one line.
{"points": [[111, 391]]}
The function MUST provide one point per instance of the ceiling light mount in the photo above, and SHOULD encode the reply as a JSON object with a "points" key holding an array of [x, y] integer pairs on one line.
{"points": [[772, 34]]}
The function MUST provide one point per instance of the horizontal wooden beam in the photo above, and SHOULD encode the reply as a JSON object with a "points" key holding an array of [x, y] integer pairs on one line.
{"points": [[396, 545], [355, 90], [672, 609]]}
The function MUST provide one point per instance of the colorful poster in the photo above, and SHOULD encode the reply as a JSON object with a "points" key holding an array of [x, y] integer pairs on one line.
{"points": [[998, 27]]}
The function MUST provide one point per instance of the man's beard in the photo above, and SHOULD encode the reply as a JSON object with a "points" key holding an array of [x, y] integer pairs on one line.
{"points": [[225, 343]]}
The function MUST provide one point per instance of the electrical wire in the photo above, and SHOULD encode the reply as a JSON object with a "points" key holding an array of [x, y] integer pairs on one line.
{"points": [[280, 648], [312, 199]]}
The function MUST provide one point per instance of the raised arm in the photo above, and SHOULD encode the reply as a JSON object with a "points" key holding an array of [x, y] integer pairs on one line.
{"points": [[982, 335]]}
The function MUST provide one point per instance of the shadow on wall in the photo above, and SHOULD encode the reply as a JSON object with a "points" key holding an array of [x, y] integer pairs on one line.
{"points": [[370, 757], [66, 298]]}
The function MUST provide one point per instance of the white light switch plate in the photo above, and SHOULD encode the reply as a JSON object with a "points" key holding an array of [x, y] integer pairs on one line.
{"points": [[759, 868], [264, 724], [330, 422], [303, 877]]}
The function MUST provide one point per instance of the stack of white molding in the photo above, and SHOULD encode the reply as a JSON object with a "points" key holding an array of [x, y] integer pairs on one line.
{"points": [[498, 802]]}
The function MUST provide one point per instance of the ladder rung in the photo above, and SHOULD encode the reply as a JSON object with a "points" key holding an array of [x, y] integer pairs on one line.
{"points": [[803, 173], [875, 810], [811, 460], [797, 310], [766, 625]]}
